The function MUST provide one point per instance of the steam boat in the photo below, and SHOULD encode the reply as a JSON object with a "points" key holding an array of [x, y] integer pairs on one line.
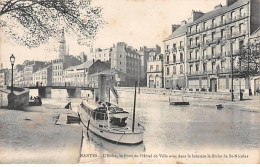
{"points": [[110, 122]]}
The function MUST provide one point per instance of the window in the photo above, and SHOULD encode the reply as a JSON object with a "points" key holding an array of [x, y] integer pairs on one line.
{"points": [[222, 65], [174, 69], [232, 49], [190, 55], [241, 28], [213, 35], [204, 25], [213, 51], [120, 55], [167, 71], [213, 22], [181, 57], [197, 67], [231, 30], [167, 59], [222, 33], [197, 28], [197, 40], [181, 43], [157, 67], [151, 67], [241, 44], [204, 67], [174, 58], [204, 53], [204, 38], [232, 15], [223, 49], [181, 69], [241, 12], [190, 68], [197, 54], [120, 62], [213, 66], [222, 19], [174, 45], [191, 42]]}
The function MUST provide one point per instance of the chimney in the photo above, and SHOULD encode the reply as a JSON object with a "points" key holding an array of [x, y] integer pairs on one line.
{"points": [[175, 27], [218, 6], [230, 2], [195, 15], [183, 22]]}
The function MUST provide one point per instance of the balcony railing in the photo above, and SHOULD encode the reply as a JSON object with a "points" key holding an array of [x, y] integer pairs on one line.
{"points": [[209, 57], [167, 51], [181, 48], [174, 50]]}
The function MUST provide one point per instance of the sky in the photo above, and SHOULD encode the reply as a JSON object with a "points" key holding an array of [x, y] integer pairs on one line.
{"points": [[136, 22]]}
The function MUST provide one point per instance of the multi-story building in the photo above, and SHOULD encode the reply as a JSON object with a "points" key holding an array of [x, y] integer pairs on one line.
{"points": [[43, 77], [82, 57], [5, 77], [128, 61], [155, 70], [213, 38], [19, 75], [144, 53], [79, 75], [99, 54], [58, 67], [65, 60], [29, 68], [174, 60], [255, 40]]}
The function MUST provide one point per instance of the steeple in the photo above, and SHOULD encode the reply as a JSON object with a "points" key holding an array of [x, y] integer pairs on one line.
{"points": [[62, 47]]}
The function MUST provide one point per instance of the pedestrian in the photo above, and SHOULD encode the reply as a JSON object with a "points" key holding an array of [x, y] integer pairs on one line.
{"points": [[68, 106]]}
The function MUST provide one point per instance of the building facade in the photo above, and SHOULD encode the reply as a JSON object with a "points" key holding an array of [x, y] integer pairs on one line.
{"points": [[145, 55], [155, 71], [174, 59], [99, 54], [58, 67], [5, 77], [43, 77], [29, 68], [79, 75], [128, 61], [213, 40]]}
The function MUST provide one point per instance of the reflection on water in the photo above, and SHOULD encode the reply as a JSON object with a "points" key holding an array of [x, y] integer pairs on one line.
{"points": [[174, 127]]}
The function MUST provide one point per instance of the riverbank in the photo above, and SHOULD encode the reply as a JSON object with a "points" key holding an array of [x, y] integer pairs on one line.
{"points": [[201, 99], [33, 136]]}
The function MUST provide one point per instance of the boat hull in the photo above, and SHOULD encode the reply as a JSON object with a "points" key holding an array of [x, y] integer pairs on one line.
{"points": [[115, 135]]}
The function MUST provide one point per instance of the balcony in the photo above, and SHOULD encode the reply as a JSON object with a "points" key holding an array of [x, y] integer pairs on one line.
{"points": [[181, 48], [167, 51], [208, 57], [174, 50]]}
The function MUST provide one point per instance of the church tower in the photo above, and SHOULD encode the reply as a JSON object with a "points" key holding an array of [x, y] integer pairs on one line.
{"points": [[62, 47]]}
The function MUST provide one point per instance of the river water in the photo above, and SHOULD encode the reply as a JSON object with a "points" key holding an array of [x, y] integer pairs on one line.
{"points": [[170, 129]]}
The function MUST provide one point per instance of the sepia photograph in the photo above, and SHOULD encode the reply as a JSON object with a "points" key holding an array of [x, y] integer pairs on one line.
{"points": [[129, 81]]}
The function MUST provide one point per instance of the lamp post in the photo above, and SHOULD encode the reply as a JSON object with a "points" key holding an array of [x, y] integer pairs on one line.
{"points": [[12, 60], [232, 77]]}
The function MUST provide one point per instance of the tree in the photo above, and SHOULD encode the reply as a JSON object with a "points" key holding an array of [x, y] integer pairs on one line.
{"points": [[248, 62], [34, 22]]}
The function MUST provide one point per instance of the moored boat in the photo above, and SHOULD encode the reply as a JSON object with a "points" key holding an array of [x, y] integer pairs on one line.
{"points": [[109, 121]]}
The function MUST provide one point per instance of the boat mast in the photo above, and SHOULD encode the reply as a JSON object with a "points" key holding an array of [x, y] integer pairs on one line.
{"points": [[133, 124]]}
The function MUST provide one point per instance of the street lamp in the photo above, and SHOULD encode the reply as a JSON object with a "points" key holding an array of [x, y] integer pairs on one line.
{"points": [[12, 60]]}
